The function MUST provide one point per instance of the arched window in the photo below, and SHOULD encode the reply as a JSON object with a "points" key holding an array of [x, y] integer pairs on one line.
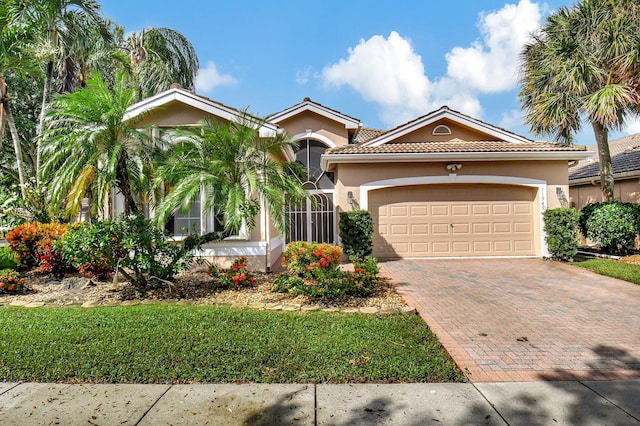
{"points": [[308, 155], [441, 130]]}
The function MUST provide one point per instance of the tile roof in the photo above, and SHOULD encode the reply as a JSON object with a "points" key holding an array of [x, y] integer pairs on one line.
{"points": [[365, 134], [625, 159], [453, 146]]}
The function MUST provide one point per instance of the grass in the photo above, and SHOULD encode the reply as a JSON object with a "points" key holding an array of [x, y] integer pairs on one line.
{"points": [[184, 344], [610, 268]]}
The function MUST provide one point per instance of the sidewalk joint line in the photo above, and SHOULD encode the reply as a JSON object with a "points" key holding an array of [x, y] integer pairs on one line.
{"points": [[491, 404], [153, 405], [609, 401]]}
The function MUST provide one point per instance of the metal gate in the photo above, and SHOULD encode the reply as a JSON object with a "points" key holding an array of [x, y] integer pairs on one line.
{"points": [[313, 219]]}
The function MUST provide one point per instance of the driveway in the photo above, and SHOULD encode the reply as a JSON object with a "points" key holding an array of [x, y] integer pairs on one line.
{"points": [[526, 319]]}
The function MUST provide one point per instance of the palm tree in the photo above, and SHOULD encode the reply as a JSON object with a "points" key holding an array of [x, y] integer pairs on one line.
{"points": [[233, 168], [160, 57], [583, 64], [56, 25], [89, 149], [13, 40]]}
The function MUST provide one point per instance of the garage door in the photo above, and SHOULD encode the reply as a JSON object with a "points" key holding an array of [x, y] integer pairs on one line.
{"points": [[453, 220]]}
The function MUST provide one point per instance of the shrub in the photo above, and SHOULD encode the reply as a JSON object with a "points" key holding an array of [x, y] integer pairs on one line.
{"points": [[7, 258], [614, 225], [306, 259], [10, 281], [236, 276], [332, 283], [561, 228], [130, 245], [33, 245], [356, 233], [93, 249], [364, 276]]}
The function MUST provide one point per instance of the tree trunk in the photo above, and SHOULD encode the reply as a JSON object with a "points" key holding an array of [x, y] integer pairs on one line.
{"points": [[43, 112], [130, 206], [17, 148], [606, 169]]}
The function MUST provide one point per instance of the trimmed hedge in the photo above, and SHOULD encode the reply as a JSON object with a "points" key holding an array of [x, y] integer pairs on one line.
{"points": [[356, 233], [561, 228], [614, 225]]}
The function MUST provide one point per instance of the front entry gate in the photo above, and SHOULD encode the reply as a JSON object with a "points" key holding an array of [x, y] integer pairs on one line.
{"points": [[313, 219]]}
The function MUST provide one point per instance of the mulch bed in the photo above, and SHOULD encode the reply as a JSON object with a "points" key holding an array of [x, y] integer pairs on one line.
{"points": [[195, 286]]}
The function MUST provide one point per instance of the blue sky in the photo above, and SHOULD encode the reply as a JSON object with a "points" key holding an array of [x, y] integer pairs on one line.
{"points": [[383, 62]]}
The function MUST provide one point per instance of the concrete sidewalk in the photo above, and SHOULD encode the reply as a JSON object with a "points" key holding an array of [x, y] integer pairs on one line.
{"points": [[531, 403]]}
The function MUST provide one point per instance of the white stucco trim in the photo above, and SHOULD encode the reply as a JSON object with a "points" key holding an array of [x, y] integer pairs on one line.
{"points": [[329, 160], [315, 136], [454, 116], [541, 186], [233, 249], [348, 122]]}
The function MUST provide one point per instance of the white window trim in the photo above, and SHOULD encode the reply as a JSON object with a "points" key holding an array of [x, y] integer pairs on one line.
{"points": [[541, 186]]}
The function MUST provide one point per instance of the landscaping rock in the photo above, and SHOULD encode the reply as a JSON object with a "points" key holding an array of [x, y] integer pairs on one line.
{"points": [[76, 282]]}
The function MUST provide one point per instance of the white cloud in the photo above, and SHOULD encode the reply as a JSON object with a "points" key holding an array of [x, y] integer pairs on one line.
{"points": [[491, 65], [389, 72], [302, 76], [209, 78], [632, 126]]}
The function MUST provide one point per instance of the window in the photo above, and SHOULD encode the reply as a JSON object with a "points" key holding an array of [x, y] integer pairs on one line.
{"points": [[308, 155], [441, 130], [191, 222]]}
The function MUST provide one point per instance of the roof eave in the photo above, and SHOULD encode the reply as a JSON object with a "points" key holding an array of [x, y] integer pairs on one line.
{"points": [[330, 160], [616, 176]]}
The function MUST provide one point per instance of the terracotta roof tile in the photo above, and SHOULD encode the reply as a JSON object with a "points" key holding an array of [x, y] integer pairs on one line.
{"points": [[366, 134], [454, 146]]}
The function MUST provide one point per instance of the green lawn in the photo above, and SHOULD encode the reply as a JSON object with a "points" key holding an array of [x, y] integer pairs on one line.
{"points": [[610, 268], [177, 344]]}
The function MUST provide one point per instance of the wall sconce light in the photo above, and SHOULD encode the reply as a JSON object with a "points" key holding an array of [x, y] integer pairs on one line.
{"points": [[452, 167], [350, 199]]}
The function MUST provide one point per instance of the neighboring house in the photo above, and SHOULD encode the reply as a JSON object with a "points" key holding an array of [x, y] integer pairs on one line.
{"points": [[584, 177], [442, 185]]}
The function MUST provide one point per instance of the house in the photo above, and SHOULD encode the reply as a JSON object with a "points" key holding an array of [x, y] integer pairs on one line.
{"points": [[442, 185], [584, 177]]}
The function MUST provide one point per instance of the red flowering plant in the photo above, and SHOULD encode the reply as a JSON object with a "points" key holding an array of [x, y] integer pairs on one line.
{"points": [[34, 246], [10, 281], [310, 259], [235, 276]]}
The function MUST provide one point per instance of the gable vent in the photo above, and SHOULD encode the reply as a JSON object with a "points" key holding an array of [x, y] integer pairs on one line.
{"points": [[441, 130]]}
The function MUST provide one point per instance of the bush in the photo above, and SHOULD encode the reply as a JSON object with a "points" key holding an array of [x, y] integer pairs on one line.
{"points": [[236, 276], [130, 245], [93, 249], [7, 258], [306, 259], [10, 281], [331, 282], [356, 233], [614, 225], [561, 228], [33, 246]]}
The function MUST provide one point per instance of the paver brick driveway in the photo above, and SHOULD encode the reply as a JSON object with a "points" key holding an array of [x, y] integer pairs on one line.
{"points": [[526, 319]]}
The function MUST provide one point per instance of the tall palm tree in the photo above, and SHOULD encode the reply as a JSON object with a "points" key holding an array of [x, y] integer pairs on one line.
{"points": [[160, 57], [56, 25], [583, 64], [234, 169], [91, 150]]}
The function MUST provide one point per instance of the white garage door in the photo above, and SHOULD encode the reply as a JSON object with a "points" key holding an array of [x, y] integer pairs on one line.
{"points": [[453, 220]]}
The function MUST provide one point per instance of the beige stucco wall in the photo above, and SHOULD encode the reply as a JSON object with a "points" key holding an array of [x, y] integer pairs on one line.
{"points": [[174, 114], [333, 130], [627, 190], [457, 132]]}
